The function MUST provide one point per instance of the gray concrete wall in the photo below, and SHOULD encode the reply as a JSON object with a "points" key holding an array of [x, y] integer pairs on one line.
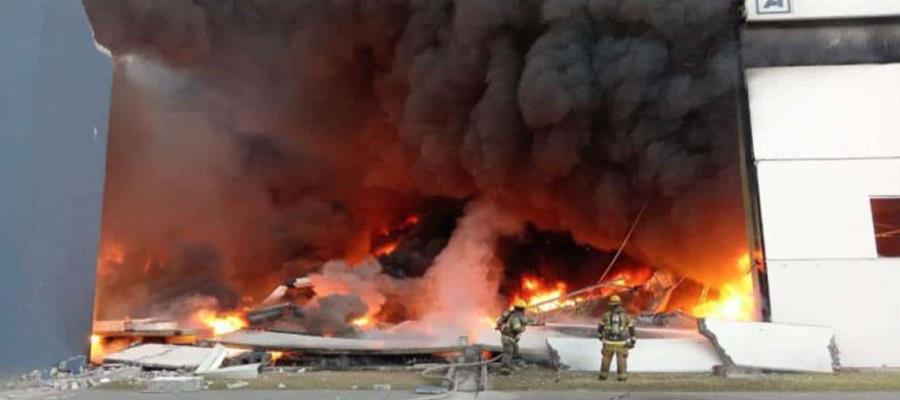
{"points": [[54, 104]]}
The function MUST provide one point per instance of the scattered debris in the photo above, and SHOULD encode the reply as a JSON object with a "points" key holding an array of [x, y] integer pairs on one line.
{"points": [[680, 354], [282, 386], [213, 360], [273, 313], [247, 371], [176, 384], [772, 347], [280, 292], [671, 320], [65, 381], [237, 385], [74, 365], [381, 387]]}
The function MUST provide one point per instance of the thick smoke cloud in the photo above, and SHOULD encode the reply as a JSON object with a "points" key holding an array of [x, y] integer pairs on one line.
{"points": [[284, 131]]}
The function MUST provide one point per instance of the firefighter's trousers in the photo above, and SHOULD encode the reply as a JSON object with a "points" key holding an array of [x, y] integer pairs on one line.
{"points": [[620, 352]]}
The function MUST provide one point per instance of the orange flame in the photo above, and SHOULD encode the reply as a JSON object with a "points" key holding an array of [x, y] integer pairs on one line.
{"points": [[363, 322], [385, 249], [534, 292], [97, 352], [221, 324], [410, 222], [274, 356], [735, 301]]}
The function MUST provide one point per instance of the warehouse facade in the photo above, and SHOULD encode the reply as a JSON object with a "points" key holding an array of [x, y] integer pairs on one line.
{"points": [[822, 80], [823, 169]]}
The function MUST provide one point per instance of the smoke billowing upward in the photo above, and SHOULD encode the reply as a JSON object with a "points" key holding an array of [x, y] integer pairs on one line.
{"points": [[276, 135]]}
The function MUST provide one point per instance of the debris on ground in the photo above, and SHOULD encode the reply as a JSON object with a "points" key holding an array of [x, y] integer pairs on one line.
{"points": [[59, 380], [237, 385], [247, 371], [176, 384]]}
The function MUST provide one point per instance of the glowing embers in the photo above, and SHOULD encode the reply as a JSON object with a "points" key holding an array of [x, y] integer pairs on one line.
{"points": [[735, 300], [220, 324], [386, 239], [385, 249]]}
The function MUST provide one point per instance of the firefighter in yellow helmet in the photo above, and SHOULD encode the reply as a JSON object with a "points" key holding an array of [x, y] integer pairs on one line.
{"points": [[511, 326], [617, 333]]}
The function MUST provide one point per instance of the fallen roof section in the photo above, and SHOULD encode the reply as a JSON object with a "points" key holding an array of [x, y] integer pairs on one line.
{"points": [[162, 356], [682, 354], [772, 347], [330, 345]]}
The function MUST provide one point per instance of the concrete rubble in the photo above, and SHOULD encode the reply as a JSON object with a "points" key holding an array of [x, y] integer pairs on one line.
{"points": [[680, 355], [237, 385], [771, 347], [212, 361], [175, 384], [58, 381], [247, 371]]}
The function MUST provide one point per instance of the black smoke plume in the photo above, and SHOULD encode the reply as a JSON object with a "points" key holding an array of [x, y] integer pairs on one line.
{"points": [[284, 132]]}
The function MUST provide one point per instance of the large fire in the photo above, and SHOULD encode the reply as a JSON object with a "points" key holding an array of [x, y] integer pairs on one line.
{"points": [[220, 324], [735, 301], [540, 295]]}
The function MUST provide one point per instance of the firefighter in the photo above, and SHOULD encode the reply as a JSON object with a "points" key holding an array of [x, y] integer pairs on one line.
{"points": [[511, 326], [617, 333]]}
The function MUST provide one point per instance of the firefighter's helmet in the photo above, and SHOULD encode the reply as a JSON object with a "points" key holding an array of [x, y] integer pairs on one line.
{"points": [[520, 304], [615, 300]]}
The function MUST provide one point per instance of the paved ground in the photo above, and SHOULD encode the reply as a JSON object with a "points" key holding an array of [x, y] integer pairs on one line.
{"points": [[396, 395]]}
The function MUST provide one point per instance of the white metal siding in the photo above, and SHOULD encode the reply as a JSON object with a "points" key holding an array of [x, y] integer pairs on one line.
{"points": [[827, 139], [820, 9]]}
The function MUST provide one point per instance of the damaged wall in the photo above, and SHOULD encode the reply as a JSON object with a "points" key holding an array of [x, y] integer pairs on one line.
{"points": [[54, 104], [825, 142]]}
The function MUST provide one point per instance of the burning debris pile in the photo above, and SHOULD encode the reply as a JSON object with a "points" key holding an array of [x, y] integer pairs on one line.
{"points": [[419, 163]]}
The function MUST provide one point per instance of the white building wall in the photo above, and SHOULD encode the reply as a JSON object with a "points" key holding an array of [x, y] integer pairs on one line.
{"points": [[826, 140], [769, 10]]}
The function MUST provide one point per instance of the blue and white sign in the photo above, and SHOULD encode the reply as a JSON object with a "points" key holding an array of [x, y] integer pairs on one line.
{"points": [[773, 6]]}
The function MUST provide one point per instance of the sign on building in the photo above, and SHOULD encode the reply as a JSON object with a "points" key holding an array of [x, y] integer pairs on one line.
{"points": [[773, 6]]}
